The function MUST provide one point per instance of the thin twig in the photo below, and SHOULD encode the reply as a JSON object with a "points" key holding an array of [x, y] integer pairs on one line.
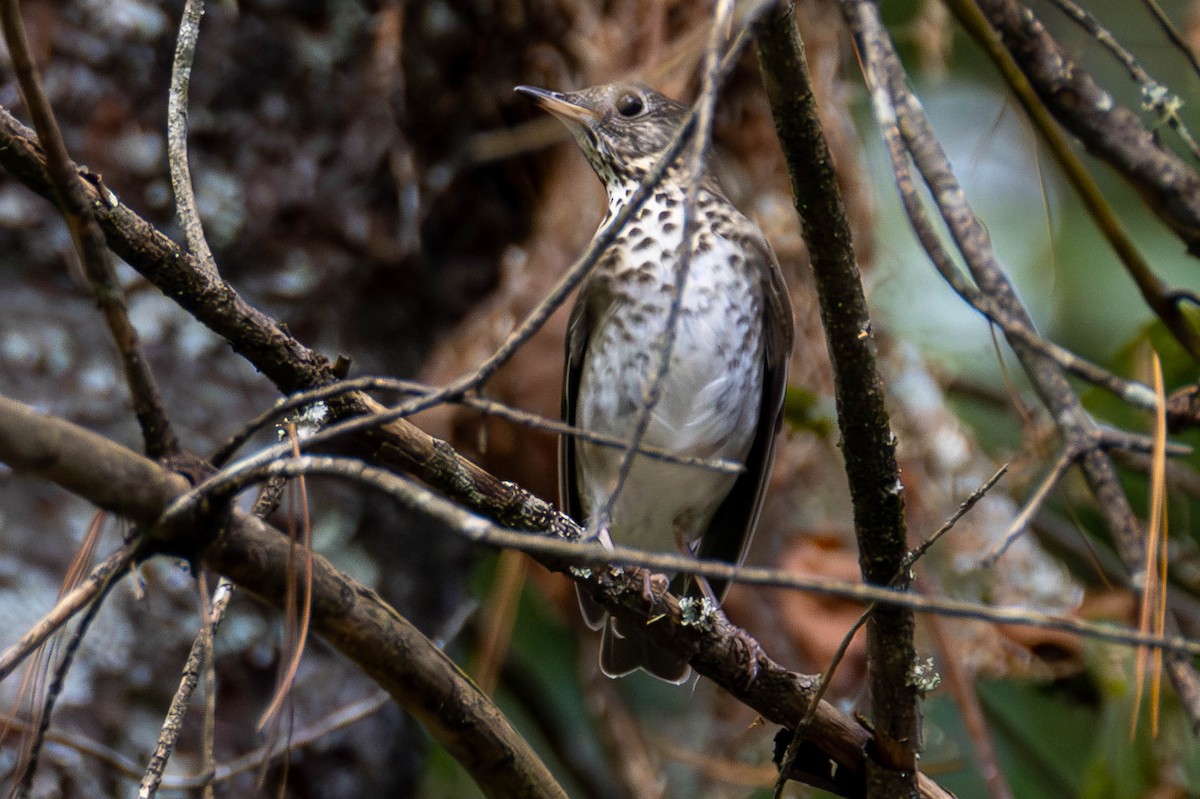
{"points": [[1155, 96], [152, 777], [963, 510], [789, 758], [119, 763], [482, 531], [1032, 505], [489, 407], [1113, 440], [210, 615], [25, 785], [1177, 38], [96, 583], [159, 439], [177, 150]]}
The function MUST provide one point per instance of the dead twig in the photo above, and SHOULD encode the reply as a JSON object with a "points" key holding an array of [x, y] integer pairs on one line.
{"points": [[69, 194]]}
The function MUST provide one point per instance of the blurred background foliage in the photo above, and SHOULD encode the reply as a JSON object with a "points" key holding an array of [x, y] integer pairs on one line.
{"points": [[366, 175]]}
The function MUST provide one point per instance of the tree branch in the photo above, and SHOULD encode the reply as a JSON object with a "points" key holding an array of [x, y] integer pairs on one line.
{"points": [[66, 188], [1161, 299], [347, 614], [1109, 130], [377, 639], [906, 129], [868, 444]]}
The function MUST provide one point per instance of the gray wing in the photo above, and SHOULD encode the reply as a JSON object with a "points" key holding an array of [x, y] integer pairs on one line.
{"points": [[576, 347], [591, 304], [728, 535], [580, 322]]}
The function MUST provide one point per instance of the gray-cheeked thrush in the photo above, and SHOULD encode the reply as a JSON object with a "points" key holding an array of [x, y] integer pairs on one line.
{"points": [[722, 393]]}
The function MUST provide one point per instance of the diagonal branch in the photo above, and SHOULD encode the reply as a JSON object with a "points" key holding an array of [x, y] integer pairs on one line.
{"points": [[350, 616], [1164, 301], [1108, 129], [357, 622]]}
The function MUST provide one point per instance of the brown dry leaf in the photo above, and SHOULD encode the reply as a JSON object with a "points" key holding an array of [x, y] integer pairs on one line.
{"points": [[818, 624]]}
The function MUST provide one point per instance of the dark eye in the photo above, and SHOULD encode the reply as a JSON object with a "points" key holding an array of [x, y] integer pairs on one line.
{"points": [[630, 104]]}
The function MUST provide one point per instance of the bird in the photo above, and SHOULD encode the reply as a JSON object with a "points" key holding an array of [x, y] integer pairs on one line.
{"points": [[722, 393]]}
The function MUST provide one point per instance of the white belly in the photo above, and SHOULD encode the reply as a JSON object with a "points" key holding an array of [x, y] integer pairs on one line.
{"points": [[709, 399]]}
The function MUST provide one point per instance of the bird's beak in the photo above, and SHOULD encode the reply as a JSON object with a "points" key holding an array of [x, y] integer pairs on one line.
{"points": [[558, 104]]}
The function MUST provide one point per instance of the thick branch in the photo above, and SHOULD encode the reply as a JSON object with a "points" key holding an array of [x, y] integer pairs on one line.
{"points": [[350, 616], [85, 463], [385, 645]]}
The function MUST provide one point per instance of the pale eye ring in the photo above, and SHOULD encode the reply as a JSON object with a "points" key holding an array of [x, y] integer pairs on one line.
{"points": [[630, 104]]}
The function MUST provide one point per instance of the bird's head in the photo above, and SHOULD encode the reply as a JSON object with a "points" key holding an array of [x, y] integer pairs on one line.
{"points": [[621, 127]]}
